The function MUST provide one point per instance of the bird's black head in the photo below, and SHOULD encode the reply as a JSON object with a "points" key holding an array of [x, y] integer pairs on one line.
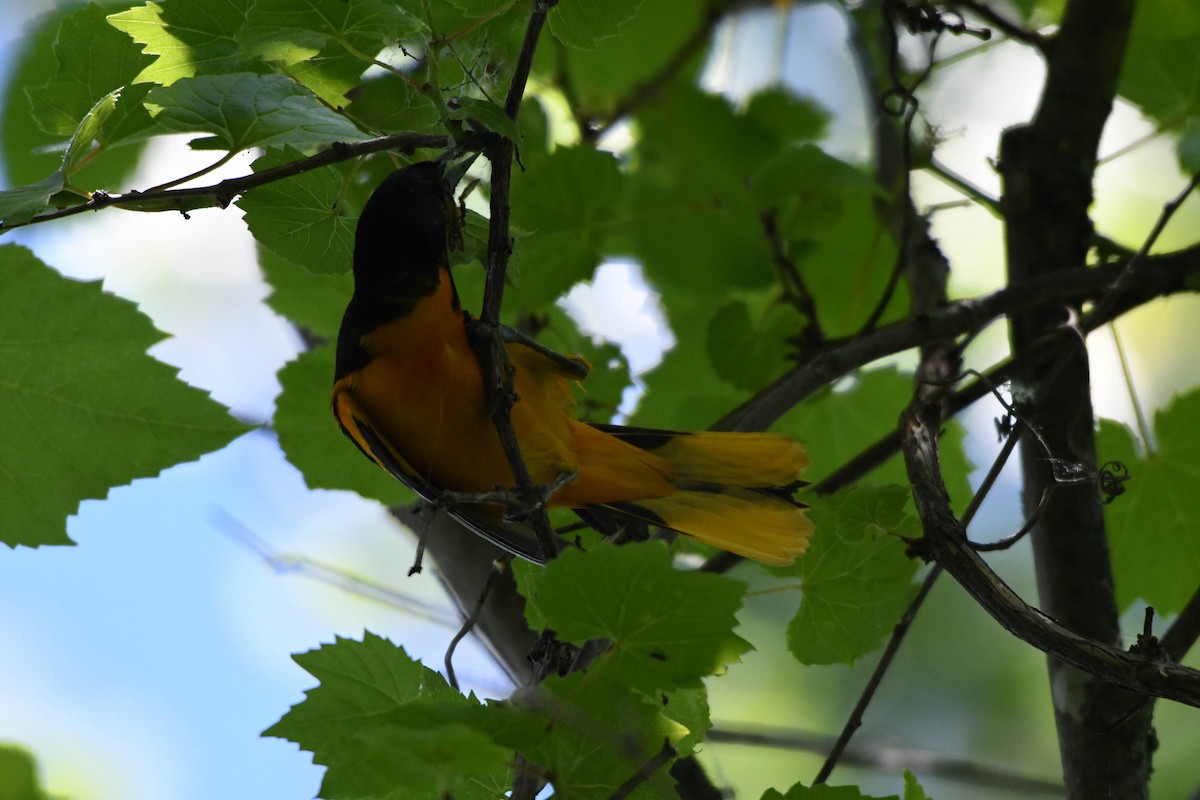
{"points": [[401, 242]]}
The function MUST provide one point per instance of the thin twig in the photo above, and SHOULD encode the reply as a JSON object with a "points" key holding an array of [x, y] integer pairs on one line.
{"points": [[886, 757], [220, 195], [468, 625], [1009, 28], [1184, 631], [885, 661], [1097, 316], [653, 765]]}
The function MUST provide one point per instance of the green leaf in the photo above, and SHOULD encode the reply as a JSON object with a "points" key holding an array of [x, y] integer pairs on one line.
{"points": [[749, 352], [1161, 69], [804, 190], [1151, 527], [598, 733], [18, 775], [913, 789], [302, 218], [81, 143], [20, 204], [386, 726], [312, 441], [244, 110], [93, 60], [324, 44], [688, 708], [784, 118], [822, 792], [190, 37], [582, 23], [567, 224], [603, 77], [1188, 147], [487, 115], [87, 409], [670, 627], [856, 577], [315, 303]]}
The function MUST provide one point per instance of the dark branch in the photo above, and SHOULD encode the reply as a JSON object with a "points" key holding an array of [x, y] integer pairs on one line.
{"points": [[1159, 276], [220, 195], [888, 758], [946, 543]]}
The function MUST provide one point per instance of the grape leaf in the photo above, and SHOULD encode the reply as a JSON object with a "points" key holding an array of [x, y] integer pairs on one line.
{"points": [[670, 627], [302, 218], [822, 792], [19, 775], [566, 225], [87, 409], [582, 23], [1161, 69], [243, 110], [804, 190], [602, 77], [324, 44], [93, 60], [598, 731], [388, 727], [856, 577], [315, 303], [1151, 527], [312, 441], [21, 203], [913, 789], [749, 350], [689, 708], [190, 37]]}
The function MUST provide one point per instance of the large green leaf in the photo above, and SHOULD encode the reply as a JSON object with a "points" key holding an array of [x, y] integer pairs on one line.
{"points": [[567, 202], [20, 204], [1161, 70], [86, 408], [244, 110], [856, 577], [302, 218], [601, 78], [190, 37], [750, 348], [582, 23], [324, 44], [314, 303], [93, 59], [387, 727], [1152, 526], [29, 151], [668, 627]]}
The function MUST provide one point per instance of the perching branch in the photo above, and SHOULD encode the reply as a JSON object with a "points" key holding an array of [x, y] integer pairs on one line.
{"points": [[489, 348]]}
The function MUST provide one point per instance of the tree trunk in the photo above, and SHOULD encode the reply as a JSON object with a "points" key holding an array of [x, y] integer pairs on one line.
{"points": [[1047, 166]]}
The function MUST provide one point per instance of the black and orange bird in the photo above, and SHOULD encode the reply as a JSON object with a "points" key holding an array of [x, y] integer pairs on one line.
{"points": [[409, 391]]}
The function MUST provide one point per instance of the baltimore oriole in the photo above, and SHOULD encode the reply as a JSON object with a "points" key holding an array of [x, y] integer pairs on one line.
{"points": [[409, 391]]}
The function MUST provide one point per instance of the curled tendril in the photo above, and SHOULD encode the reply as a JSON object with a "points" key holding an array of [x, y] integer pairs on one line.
{"points": [[1110, 481]]}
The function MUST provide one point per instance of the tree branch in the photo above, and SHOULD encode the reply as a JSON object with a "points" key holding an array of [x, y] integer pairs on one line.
{"points": [[1159, 276], [945, 541], [220, 195]]}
